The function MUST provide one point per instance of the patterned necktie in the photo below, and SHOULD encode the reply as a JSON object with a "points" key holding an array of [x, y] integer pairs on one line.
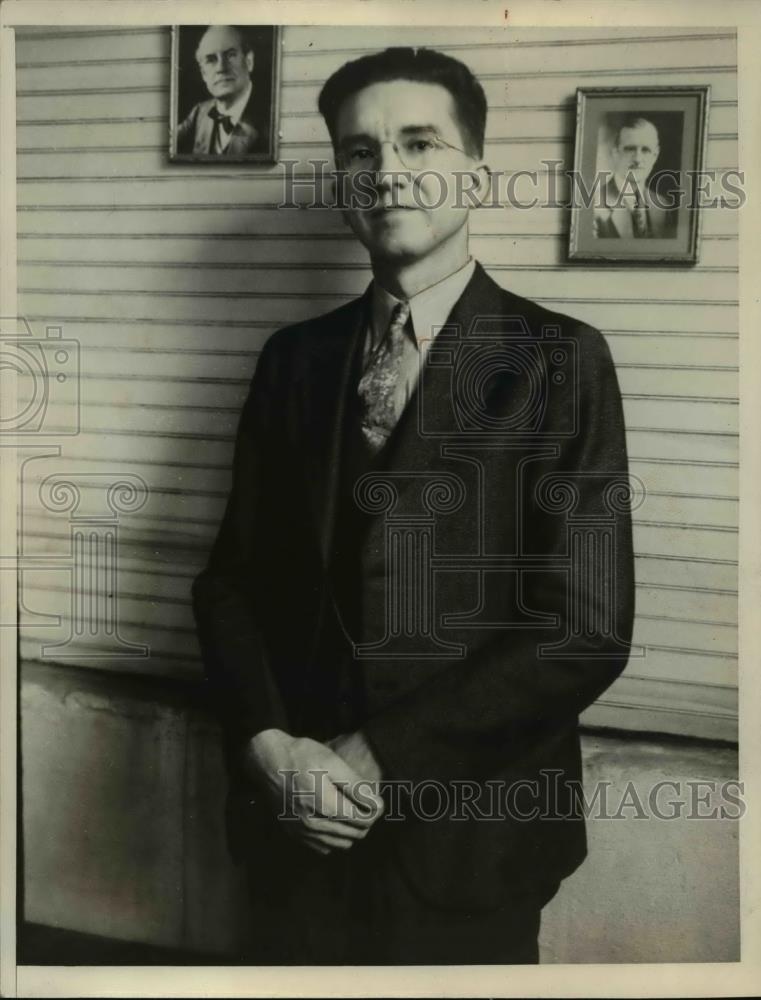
{"points": [[377, 385], [639, 218]]}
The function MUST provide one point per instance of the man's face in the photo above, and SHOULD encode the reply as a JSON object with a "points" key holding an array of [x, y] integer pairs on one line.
{"points": [[225, 67], [411, 115], [635, 153]]}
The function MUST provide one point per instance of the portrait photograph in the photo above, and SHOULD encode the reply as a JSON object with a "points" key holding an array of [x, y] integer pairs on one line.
{"points": [[224, 93], [636, 183]]}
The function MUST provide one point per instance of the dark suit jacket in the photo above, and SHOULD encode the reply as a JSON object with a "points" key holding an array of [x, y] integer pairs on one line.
{"points": [[549, 437], [195, 132], [612, 220]]}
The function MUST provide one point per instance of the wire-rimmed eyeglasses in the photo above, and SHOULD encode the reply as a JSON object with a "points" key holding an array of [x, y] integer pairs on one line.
{"points": [[417, 149]]}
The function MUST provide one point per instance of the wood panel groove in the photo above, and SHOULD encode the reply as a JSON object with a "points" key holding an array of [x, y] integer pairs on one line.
{"points": [[28, 34], [678, 681], [615, 72], [84, 91], [305, 265], [167, 463], [673, 525], [651, 707], [313, 295], [185, 601], [576, 74], [686, 650], [689, 621], [722, 400], [86, 63], [307, 114], [140, 376], [525, 43], [147, 568], [684, 461], [297, 237], [693, 589], [692, 496], [685, 525], [220, 408], [189, 491], [121, 431], [505, 43], [258, 324], [319, 144]]}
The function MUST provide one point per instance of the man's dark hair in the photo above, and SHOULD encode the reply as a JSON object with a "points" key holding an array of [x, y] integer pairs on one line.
{"points": [[421, 66]]}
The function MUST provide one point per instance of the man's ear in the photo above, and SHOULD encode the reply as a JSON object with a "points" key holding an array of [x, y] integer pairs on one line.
{"points": [[481, 173], [250, 62]]}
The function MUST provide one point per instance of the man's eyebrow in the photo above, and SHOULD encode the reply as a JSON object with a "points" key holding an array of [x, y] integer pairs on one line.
{"points": [[356, 137], [220, 52], [420, 128], [405, 130]]}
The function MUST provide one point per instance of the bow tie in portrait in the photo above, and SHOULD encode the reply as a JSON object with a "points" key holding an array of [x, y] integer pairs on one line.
{"points": [[224, 120]]}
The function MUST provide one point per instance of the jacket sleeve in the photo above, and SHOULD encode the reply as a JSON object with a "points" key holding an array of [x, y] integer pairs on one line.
{"points": [[226, 595], [471, 716], [186, 132]]}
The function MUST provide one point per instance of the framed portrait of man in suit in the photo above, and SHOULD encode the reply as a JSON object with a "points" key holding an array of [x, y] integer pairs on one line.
{"points": [[225, 82], [639, 180]]}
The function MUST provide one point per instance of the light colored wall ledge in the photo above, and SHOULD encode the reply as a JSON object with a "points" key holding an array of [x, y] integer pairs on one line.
{"points": [[124, 786]]}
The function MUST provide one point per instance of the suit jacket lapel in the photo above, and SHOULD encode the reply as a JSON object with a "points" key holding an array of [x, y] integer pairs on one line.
{"points": [[326, 394], [247, 132], [428, 415], [243, 139], [332, 376], [204, 129]]}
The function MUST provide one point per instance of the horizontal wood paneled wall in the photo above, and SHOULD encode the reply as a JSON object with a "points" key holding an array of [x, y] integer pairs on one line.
{"points": [[172, 277]]}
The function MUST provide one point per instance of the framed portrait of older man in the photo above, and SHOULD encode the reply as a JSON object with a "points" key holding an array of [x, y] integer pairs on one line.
{"points": [[224, 93], [639, 182]]}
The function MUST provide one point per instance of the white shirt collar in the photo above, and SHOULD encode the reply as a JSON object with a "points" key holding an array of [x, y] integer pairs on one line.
{"points": [[429, 308], [235, 110]]}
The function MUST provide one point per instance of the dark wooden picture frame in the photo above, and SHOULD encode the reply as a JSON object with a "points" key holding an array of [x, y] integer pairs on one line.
{"points": [[255, 137], [638, 161]]}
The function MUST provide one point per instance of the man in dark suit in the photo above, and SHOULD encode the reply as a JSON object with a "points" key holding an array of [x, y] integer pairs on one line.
{"points": [[630, 209], [424, 573], [228, 124]]}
